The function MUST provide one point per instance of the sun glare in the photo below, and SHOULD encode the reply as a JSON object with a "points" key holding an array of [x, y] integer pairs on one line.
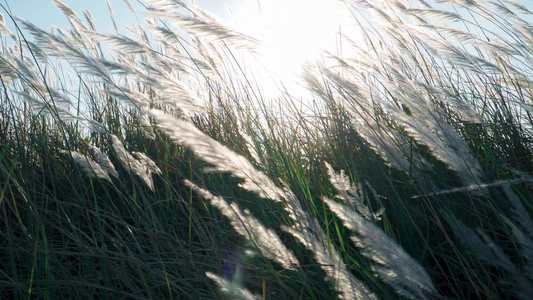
{"points": [[294, 32]]}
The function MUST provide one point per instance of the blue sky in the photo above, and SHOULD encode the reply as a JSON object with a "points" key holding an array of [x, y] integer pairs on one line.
{"points": [[44, 13]]}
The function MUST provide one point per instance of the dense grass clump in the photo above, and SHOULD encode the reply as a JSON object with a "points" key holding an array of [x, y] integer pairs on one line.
{"points": [[153, 165]]}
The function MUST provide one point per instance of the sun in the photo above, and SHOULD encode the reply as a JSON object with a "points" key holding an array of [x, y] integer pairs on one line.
{"points": [[293, 33]]}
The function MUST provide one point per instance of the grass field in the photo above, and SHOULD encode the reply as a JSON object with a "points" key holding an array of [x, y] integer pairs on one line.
{"points": [[152, 164]]}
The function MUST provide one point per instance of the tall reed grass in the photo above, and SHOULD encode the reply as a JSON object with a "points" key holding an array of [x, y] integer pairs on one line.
{"points": [[151, 165]]}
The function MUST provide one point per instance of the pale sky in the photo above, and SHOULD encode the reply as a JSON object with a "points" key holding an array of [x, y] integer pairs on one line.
{"points": [[297, 26], [296, 29], [44, 13]]}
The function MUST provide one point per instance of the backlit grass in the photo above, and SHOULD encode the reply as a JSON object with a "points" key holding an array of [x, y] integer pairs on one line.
{"points": [[152, 164]]}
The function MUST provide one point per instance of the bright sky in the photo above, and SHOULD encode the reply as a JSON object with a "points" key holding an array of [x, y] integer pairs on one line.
{"points": [[293, 30]]}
